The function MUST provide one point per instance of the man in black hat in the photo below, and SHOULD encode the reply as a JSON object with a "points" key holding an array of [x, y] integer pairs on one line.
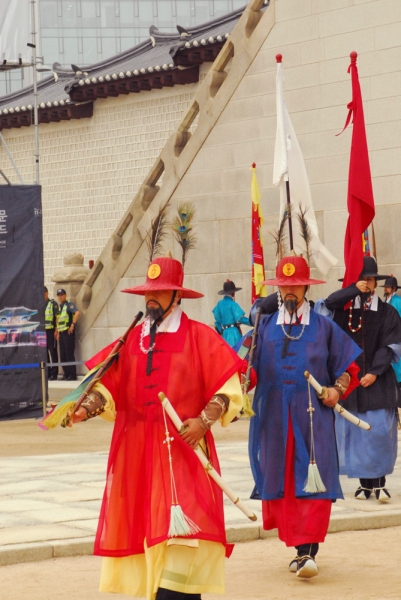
{"points": [[229, 315], [376, 327], [67, 317]]}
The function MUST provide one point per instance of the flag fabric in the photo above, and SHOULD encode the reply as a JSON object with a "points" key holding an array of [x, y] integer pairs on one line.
{"points": [[16, 32], [258, 264], [360, 202], [289, 166]]}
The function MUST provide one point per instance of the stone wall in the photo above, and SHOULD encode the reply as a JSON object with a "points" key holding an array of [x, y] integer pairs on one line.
{"points": [[315, 38], [91, 168]]}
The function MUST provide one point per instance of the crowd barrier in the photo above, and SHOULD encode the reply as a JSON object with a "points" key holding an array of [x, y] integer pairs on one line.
{"points": [[42, 366]]}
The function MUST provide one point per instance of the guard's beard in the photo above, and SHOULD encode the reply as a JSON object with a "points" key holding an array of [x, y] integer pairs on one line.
{"points": [[155, 313], [290, 304]]}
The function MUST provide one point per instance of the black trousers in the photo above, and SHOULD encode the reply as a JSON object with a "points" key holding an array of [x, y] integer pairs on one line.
{"points": [[308, 549], [52, 355], [163, 594], [67, 350]]}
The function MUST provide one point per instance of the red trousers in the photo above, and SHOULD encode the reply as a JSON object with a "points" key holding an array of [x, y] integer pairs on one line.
{"points": [[299, 521]]}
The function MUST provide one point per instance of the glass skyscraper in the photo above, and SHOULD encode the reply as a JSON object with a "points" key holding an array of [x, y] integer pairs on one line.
{"points": [[84, 32]]}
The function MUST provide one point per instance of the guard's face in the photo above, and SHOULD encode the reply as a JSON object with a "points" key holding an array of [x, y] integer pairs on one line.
{"points": [[46, 294], [293, 292], [159, 300], [388, 290], [371, 282], [62, 298]]}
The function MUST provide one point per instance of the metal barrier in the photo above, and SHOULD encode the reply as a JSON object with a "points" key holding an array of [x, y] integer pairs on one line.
{"points": [[42, 366]]}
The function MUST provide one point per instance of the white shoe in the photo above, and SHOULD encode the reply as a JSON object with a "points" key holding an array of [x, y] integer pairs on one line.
{"points": [[307, 567]]}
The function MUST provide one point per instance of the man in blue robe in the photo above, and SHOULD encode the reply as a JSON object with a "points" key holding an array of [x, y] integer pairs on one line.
{"points": [[229, 315], [391, 297], [289, 342]]}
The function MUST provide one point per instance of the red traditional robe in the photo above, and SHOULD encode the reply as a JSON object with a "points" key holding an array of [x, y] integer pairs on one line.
{"points": [[189, 366]]}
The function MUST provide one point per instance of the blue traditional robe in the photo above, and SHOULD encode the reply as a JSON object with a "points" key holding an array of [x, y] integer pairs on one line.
{"points": [[228, 316], [324, 350], [396, 302]]}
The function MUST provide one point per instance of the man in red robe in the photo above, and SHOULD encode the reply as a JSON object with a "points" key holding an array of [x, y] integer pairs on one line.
{"points": [[198, 372]]}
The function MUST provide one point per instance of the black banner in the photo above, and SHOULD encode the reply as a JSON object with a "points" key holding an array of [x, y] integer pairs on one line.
{"points": [[22, 331]]}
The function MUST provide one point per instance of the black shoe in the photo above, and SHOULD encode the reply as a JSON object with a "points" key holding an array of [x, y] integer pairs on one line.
{"points": [[53, 378], [293, 566], [382, 494], [64, 378], [307, 567], [363, 493]]}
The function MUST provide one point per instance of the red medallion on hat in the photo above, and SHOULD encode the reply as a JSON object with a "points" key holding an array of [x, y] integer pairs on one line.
{"points": [[292, 270], [164, 274]]}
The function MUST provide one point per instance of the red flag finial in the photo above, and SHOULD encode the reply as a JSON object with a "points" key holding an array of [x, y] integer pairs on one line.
{"points": [[353, 56], [253, 165], [279, 58]]}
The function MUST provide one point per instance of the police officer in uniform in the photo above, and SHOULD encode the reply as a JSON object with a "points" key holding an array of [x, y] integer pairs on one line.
{"points": [[51, 310], [67, 317]]}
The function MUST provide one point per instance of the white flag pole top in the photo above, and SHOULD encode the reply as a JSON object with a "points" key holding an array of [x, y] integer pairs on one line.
{"points": [[289, 165], [280, 170], [15, 28]]}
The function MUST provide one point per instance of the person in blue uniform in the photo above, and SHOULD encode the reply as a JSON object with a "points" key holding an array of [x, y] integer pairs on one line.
{"points": [[290, 341], [370, 455], [229, 315], [391, 297]]}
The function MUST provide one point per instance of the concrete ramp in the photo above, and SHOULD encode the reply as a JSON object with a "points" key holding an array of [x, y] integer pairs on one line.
{"points": [[107, 312]]}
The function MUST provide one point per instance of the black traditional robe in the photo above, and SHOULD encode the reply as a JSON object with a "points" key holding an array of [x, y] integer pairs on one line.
{"points": [[380, 329]]}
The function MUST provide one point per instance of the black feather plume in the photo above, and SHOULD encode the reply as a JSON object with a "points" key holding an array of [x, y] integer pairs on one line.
{"points": [[278, 237], [305, 231], [157, 234], [182, 228]]}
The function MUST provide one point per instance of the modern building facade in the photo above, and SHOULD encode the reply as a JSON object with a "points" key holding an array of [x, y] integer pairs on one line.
{"points": [[84, 32]]}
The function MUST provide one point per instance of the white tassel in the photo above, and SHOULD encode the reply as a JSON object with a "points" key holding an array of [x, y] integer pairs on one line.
{"points": [[314, 483], [180, 524]]}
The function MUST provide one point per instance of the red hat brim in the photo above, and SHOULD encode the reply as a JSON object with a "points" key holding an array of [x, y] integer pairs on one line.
{"points": [[141, 290], [292, 281]]}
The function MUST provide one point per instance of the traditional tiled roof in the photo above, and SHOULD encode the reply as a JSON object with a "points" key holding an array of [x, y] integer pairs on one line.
{"points": [[166, 59]]}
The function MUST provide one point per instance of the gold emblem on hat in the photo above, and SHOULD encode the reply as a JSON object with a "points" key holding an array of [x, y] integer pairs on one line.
{"points": [[288, 269], [154, 271]]}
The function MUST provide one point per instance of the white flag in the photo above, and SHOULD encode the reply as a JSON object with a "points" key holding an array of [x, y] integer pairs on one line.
{"points": [[289, 166], [15, 32]]}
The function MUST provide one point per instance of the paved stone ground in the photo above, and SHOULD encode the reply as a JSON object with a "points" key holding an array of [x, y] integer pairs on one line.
{"points": [[49, 503]]}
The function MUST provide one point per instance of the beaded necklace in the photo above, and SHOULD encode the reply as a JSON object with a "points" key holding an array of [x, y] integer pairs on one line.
{"points": [[304, 318], [366, 305], [165, 323]]}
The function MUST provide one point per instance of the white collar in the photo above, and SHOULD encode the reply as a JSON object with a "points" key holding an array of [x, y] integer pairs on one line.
{"points": [[170, 324], [373, 305], [388, 299], [285, 318]]}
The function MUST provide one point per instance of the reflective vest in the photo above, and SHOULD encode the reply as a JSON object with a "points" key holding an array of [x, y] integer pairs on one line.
{"points": [[49, 315], [63, 322]]}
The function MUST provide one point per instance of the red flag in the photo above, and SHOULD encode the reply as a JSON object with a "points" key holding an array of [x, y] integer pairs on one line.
{"points": [[258, 265], [361, 206]]}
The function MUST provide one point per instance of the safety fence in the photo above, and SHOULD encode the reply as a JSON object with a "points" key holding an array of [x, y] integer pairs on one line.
{"points": [[42, 366]]}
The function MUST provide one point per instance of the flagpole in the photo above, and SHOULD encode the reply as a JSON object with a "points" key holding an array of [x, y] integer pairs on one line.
{"points": [[279, 60]]}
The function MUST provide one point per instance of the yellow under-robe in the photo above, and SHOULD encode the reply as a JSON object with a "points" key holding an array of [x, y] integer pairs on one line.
{"points": [[182, 565]]}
